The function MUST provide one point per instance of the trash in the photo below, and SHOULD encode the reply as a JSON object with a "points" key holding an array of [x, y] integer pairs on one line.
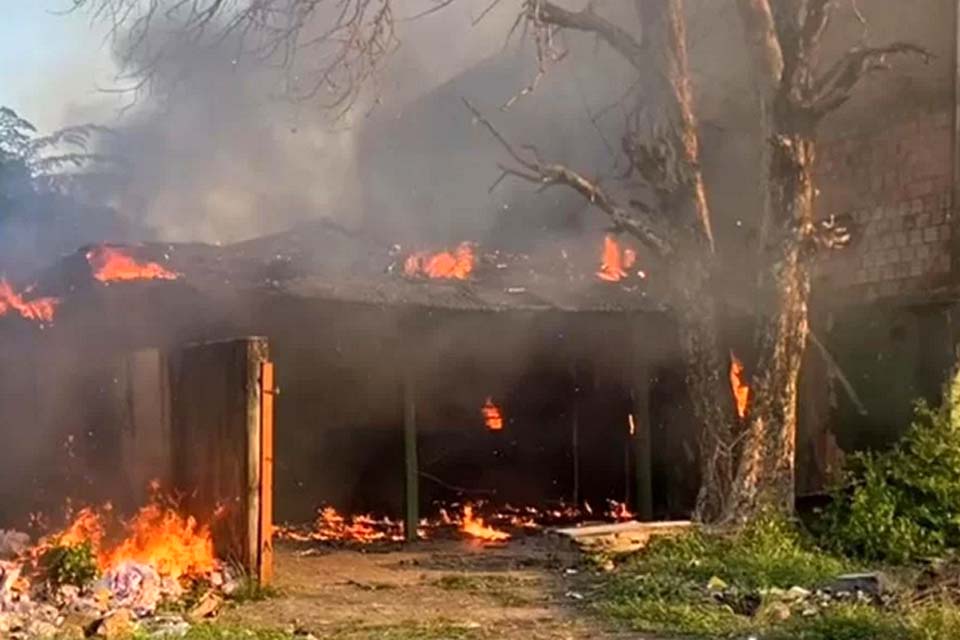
{"points": [[208, 607], [716, 584], [136, 587], [168, 626], [575, 595], [116, 626], [13, 544]]}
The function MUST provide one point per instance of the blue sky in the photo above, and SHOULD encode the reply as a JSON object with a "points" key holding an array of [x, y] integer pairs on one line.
{"points": [[51, 64]]}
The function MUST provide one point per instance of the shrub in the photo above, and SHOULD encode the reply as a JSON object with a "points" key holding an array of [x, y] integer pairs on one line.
{"points": [[903, 504], [69, 565]]}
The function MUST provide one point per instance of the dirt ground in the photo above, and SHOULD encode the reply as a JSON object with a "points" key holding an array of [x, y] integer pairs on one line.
{"points": [[431, 590]]}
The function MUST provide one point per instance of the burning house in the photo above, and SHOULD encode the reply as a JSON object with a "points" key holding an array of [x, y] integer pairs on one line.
{"points": [[410, 384]]}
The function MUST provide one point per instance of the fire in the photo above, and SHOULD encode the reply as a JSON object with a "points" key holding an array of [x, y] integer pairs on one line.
{"points": [[491, 415], [330, 526], [741, 391], [447, 265], [38, 310], [474, 527], [110, 264], [619, 511], [615, 261], [158, 536]]}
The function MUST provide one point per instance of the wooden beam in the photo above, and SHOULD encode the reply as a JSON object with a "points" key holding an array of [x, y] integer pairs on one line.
{"points": [[257, 352], [411, 465], [268, 393]]}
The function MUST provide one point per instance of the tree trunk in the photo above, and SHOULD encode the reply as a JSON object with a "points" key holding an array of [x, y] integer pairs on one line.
{"points": [[765, 476], [712, 402], [666, 154]]}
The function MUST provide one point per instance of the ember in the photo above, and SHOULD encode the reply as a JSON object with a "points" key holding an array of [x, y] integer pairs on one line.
{"points": [[110, 264], [475, 527], [615, 261], [741, 391], [446, 265], [39, 310], [491, 415]]}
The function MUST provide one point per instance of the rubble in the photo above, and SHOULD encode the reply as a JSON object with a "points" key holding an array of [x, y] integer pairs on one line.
{"points": [[125, 600], [13, 544]]}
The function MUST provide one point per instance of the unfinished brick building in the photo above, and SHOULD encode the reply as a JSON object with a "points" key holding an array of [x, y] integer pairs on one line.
{"points": [[886, 307]]}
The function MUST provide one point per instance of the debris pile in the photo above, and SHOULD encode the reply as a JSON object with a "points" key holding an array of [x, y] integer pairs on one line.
{"points": [[98, 577]]}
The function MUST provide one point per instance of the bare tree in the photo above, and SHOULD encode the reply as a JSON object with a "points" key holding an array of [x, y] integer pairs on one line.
{"points": [[784, 40], [746, 465]]}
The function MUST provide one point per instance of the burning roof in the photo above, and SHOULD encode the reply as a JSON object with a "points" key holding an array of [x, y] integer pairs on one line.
{"points": [[325, 261]]}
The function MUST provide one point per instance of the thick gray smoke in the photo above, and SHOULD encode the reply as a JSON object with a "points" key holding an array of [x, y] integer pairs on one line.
{"points": [[217, 153]]}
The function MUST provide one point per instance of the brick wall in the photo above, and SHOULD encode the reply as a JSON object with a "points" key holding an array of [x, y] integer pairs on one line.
{"points": [[892, 185]]}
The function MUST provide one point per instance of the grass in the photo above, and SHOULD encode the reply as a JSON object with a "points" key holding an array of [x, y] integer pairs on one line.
{"points": [[502, 589], [250, 590], [702, 584], [713, 586], [407, 631]]}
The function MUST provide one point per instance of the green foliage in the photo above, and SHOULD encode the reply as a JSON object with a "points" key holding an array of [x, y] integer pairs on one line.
{"points": [[849, 622], [903, 504], [73, 565], [674, 586], [770, 553], [30, 162]]}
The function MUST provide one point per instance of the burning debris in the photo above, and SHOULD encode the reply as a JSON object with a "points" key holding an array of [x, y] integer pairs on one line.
{"points": [[491, 415], [475, 527], [740, 389], [446, 265], [616, 261], [111, 264], [330, 526], [40, 310], [106, 571], [452, 522]]}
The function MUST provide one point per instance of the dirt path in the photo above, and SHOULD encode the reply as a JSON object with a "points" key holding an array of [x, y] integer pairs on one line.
{"points": [[432, 590]]}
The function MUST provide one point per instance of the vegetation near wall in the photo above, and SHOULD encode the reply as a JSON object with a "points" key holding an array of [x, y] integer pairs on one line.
{"points": [[894, 524]]}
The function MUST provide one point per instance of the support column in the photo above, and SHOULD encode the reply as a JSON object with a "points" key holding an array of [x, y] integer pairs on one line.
{"points": [[641, 441], [411, 465]]}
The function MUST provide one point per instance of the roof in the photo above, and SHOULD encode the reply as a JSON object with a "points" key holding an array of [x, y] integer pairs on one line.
{"points": [[324, 261]]}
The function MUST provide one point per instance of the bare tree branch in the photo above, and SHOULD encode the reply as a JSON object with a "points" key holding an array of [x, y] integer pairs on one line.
{"points": [[761, 35], [836, 85], [639, 223], [588, 20]]}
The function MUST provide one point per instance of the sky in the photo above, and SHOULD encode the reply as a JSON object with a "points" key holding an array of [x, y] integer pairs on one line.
{"points": [[53, 63]]}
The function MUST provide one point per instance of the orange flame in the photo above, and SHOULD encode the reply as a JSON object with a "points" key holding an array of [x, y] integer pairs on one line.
{"points": [[447, 265], [38, 310], [741, 390], [615, 261], [110, 264], [619, 511], [474, 527], [491, 415], [330, 526], [174, 545]]}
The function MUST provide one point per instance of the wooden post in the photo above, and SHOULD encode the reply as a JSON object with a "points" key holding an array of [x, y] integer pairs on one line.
{"points": [[268, 393], [642, 445], [257, 354], [411, 466]]}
